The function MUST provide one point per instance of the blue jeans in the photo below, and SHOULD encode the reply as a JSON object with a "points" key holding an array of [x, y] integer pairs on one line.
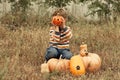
{"points": [[53, 52]]}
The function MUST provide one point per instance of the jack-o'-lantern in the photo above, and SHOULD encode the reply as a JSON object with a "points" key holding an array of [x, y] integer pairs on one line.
{"points": [[77, 66], [83, 49], [57, 20]]}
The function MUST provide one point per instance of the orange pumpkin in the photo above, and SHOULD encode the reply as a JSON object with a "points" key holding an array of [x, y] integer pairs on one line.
{"points": [[76, 65], [58, 64], [92, 62], [58, 20]]}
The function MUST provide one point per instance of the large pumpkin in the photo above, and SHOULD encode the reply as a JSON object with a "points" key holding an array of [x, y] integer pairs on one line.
{"points": [[76, 65], [58, 64], [92, 62]]}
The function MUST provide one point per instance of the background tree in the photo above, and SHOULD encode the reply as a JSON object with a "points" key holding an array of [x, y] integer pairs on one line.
{"points": [[58, 3], [103, 8], [19, 14], [21, 6]]}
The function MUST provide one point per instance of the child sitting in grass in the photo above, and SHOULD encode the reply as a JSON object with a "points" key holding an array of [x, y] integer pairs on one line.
{"points": [[60, 34]]}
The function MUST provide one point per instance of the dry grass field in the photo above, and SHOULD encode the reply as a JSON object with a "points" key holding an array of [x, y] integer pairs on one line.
{"points": [[22, 52]]}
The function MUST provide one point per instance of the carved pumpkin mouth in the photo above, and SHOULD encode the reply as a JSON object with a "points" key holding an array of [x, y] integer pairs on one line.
{"points": [[77, 67], [86, 53]]}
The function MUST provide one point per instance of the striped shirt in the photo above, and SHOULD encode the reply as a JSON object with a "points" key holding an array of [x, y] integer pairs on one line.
{"points": [[60, 39]]}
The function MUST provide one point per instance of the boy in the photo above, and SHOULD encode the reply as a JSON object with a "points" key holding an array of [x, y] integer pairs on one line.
{"points": [[60, 35]]}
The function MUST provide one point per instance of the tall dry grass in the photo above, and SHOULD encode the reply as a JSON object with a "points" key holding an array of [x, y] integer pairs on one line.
{"points": [[22, 52]]}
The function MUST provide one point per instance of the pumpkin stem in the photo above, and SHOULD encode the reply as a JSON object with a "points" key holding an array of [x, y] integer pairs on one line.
{"points": [[60, 57], [45, 61]]}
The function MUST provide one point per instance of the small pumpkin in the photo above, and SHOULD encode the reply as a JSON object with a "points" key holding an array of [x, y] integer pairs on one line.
{"points": [[44, 68], [83, 49], [76, 65], [58, 20], [58, 64]]}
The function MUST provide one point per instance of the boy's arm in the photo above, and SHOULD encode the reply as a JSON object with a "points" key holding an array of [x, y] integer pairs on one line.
{"points": [[55, 34], [67, 34]]}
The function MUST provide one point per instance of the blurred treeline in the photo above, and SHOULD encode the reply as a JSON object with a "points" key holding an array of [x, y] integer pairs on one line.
{"points": [[22, 14]]}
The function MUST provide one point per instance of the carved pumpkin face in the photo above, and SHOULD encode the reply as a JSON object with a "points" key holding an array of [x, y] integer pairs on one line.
{"points": [[83, 50], [58, 20], [76, 65], [58, 64]]}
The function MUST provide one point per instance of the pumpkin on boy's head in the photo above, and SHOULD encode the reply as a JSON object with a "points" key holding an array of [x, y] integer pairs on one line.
{"points": [[58, 20]]}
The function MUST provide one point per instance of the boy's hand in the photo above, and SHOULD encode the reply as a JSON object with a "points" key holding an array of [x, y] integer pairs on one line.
{"points": [[56, 28], [62, 25]]}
